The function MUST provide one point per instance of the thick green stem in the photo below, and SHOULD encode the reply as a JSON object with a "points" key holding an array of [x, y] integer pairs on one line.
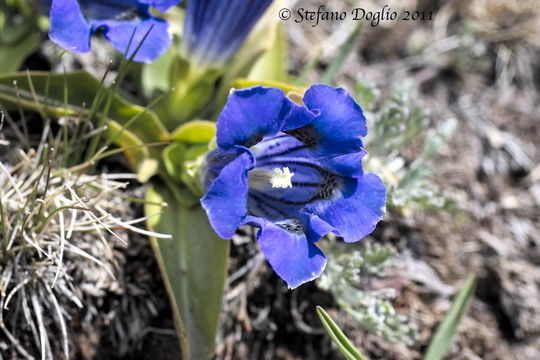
{"points": [[194, 268]]}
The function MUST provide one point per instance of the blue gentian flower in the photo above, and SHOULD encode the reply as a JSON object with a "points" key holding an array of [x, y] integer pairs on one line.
{"points": [[74, 21], [293, 171], [215, 29]]}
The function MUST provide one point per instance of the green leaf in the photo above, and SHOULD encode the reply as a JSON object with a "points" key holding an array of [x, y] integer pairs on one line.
{"points": [[18, 36], [11, 57], [72, 94], [192, 87], [261, 40], [136, 153], [446, 331], [273, 64], [193, 265], [344, 51], [173, 158], [344, 345], [156, 76], [195, 132], [245, 83], [309, 68]]}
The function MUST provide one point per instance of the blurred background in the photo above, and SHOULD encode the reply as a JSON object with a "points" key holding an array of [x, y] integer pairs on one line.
{"points": [[478, 62]]}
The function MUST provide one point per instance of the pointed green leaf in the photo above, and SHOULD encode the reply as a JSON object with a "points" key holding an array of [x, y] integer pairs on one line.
{"points": [[72, 94], [344, 51], [155, 76], [244, 83], [11, 57], [194, 267], [343, 344], [192, 87], [136, 153], [173, 158], [261, 40], [273, 64], [195, 132], [18, 35], [309, 68], [446, 331]]}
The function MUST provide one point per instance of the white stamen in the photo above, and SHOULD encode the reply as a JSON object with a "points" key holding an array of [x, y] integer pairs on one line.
{"points": [[281, 178]]}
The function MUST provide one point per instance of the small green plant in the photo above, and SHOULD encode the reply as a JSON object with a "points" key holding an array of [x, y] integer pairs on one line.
{"points": [[398, 122], [440, 342], [447, 329], [338, 337], [348, 277]]}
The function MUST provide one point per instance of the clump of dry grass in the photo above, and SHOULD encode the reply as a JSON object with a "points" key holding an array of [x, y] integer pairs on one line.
{"points": [[56, 227]]}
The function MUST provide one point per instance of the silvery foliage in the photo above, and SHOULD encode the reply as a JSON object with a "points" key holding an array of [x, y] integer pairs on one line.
{"points": [[352, 278], [358, 279], [398, 123]]}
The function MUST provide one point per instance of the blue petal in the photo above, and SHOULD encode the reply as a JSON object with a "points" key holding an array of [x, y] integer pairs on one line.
{"points": [[215, 29], [250, 115], [215, 161], [292, 256], [280, 145], [315, 227], [283, 147], [225, 201], [299, 116], [355, 216], [68, 27], [161, 5], [349, 165], [341, 122], [119, 33], [112, 9]]}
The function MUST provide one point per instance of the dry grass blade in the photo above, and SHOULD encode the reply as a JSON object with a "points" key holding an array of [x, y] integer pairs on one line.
{"points": [[48, 244]]}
